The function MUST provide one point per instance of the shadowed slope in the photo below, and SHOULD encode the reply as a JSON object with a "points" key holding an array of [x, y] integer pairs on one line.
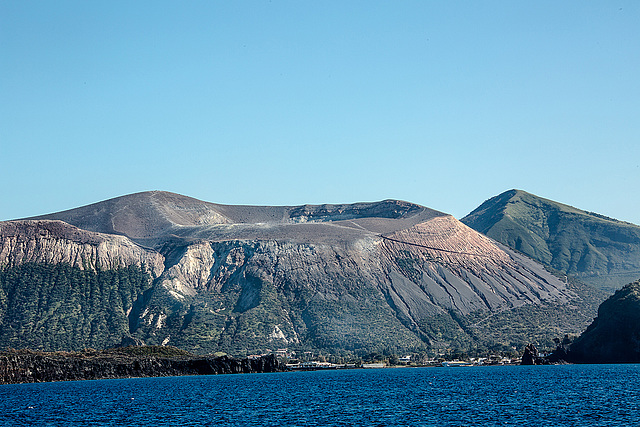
{"points": [[614, 336]]}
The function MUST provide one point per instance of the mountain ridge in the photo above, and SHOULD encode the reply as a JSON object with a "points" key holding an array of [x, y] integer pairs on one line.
{"points": [[148, 216]]}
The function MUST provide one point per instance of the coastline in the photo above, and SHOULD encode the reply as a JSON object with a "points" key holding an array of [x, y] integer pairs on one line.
{"points": [[28, 366]]}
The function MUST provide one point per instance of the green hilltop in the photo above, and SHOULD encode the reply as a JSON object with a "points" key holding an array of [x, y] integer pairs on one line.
{"points": [[597, 250]]}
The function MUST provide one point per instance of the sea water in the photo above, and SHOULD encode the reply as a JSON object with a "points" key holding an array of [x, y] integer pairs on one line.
{"points": [[566, 395]]}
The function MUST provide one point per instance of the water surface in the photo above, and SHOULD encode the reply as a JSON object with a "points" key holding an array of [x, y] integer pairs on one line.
{"points": [[569, 395]]}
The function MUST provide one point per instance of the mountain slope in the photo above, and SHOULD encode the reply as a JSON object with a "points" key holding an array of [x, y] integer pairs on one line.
{"points": [[385, 276], [595, 249]]}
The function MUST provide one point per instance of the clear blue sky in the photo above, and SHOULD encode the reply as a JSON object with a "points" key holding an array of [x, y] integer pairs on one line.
{"points": [[445, 103]]}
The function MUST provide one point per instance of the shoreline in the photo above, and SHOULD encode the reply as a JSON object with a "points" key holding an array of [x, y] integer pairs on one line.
{"points": [[28, 366]]}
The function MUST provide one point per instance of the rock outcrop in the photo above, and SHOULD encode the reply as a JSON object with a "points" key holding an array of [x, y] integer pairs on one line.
{"points": [[531, 356], [614, 336]]}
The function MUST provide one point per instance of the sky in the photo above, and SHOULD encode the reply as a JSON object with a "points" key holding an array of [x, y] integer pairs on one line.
{"points": [[444, 104]]}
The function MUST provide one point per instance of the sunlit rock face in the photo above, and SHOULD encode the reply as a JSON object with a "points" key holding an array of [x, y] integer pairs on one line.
{"points": [[52, 241]]}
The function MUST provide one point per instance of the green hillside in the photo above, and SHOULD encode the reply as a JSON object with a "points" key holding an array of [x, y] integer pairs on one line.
{"points": [[600, 251], [56, 306]]}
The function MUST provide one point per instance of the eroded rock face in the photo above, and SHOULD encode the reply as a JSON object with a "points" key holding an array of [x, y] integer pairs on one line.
{"points": [[191, 272], [55, 242], [274, 293], [459, 269], [361, 293]]}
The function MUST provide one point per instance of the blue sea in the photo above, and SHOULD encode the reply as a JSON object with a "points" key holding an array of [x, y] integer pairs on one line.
{"points": [[567, 395]]}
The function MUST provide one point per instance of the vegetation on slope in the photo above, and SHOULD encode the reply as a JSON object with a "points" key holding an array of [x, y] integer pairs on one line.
{"points": [[249, 315], [598, 250], [59, 307]]}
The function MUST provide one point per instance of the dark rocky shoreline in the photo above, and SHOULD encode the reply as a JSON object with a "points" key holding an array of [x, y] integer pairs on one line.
{"points": [[27, 366], [612, 337]]}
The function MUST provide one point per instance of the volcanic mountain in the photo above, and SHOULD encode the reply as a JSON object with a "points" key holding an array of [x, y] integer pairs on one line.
{"points": [[595, 249], [387, 276]]}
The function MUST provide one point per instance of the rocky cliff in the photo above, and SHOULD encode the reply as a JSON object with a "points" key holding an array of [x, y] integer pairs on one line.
{"points": [[56, 242], [388, 275], [614, 336]]}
